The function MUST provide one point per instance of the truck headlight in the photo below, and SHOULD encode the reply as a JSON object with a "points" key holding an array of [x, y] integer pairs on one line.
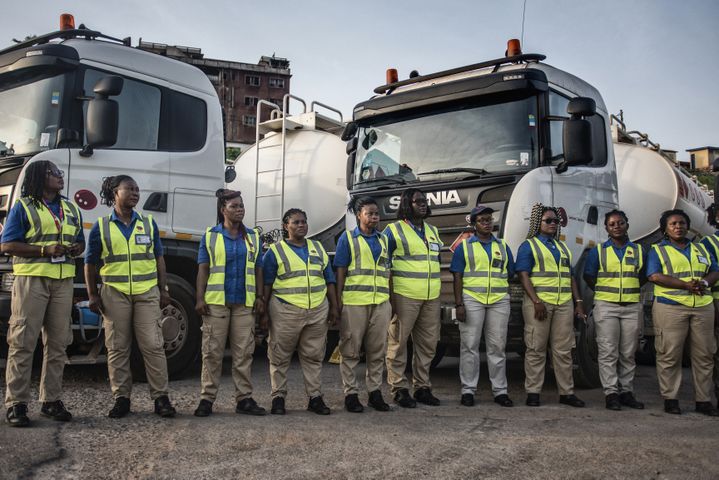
{"points": [[7, 281]]}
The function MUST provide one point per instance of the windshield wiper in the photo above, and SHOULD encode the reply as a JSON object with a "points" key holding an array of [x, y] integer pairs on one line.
{"points": [[476, 171], [396, 178]]}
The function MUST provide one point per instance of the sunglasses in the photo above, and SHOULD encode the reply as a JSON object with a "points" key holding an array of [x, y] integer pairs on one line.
{"points": [[56, 173], [550, 221]]}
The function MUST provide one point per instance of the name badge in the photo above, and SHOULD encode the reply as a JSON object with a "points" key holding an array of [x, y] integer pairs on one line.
{"points": [[564, 262], [702, 260], [142, 240], [434, 247], [631, 261], [497, 263], [60, 259]]}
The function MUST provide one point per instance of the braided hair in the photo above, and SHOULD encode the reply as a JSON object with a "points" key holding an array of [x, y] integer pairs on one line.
{"points": [[33, 184], [109, 185], [712, 214], [535, 219], [286, 219], [404, 212]]}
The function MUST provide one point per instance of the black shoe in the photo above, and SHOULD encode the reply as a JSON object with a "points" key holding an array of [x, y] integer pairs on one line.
{"points": [[352, 403], [204, 409], [672, 406], [318, 406], [403, 399], [612, 402], [163, 407], [376, 401], [706, 408], [121, 408], [533, 400], [504, 400], [278, 406], [424, 395], [467, 400], [571, 400], [55, 410], [627, 399], [17, 415], [249, 407]]}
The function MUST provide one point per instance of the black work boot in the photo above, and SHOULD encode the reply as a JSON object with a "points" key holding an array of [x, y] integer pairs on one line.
{"points": [[55, 410], [204, 409], [17, 415], [467, 399], [672, 406], [164, 408], [121, 408], [317, 405], [533, 400], [571, 400], [278, 406], [248, 406], [352, 403], [377, 402], [627, 399], [403, 399], [424, 395], [612, 402], [706, 408]]}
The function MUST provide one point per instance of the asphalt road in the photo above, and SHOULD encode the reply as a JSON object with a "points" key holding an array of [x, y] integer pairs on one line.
{"points": [[449, 441]]}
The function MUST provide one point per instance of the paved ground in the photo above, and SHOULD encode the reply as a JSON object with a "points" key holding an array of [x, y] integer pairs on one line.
{"points": [[446, 442]]}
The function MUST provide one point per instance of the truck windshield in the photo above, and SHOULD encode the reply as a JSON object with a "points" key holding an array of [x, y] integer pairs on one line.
{"points": [[455, 142], [29, 115]]}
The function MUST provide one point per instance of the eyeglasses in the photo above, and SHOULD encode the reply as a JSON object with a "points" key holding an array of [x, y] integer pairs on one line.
{"points": [[420, 202], [56, 173], [550, 221], [484, 220]]}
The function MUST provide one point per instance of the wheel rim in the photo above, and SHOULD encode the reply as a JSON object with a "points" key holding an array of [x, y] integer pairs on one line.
{"points": [[174, 328]]}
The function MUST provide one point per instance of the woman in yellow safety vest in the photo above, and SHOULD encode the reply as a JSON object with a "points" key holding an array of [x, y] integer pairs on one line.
{"points": [[300, 301], [682, 273], [43, 234], [229, 270], [544, 266], [134, 290], [362, 264]]}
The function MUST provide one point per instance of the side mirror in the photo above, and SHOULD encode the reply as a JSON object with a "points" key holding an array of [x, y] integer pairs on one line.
{"points": [[102, 121], [350, 169], [577, 133], [351, 145], [349, 131], [230, 174]]}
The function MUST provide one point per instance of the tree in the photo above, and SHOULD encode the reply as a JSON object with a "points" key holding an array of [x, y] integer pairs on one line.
{"points": [[231, 154]]}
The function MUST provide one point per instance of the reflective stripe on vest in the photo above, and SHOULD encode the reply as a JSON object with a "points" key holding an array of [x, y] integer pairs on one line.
{"points": [[714, 241], [128, 267], [676, 265], [415, 264], [43, 232], [485, 278], [215, 290], [618, 281], [299, 283], [367, 281], [552, 282]]}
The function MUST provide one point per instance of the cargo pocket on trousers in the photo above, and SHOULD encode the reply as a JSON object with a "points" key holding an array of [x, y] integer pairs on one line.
{"points": [[160, 342], [346, 348], [658, 341], [70, 338], [16, 333], [394, 329]]}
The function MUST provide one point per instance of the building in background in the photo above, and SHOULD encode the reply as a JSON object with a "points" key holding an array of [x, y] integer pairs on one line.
{"points": [[702, 158], [239, 86]]}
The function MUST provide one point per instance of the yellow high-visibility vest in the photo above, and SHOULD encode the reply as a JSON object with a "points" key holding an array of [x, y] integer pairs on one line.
{"points": [[551, 280], [129, 265], [298, 283], [714, 241], [367, 281], [415, 263], [676, 265], [618, 281], [485, 279], [215, 291], [43, 231]]}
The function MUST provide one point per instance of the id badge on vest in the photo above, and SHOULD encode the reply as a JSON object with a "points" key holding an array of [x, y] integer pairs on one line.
{"points": [[497, 263], [702, 259], [564, 262], [434, 247], [143, 240], [60, 259]]}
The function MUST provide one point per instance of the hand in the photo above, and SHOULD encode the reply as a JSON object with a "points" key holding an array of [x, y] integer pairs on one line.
{"points": [[56, 250], [201, 307], [75, 249], [258, 308], [165, 299], [265, 322], [694, 286], [332, 316], [461, 314], [95, 304], [579, 311], [540, 311]]}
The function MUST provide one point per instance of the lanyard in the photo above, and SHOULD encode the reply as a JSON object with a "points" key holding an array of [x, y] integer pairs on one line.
{"points": [[58, 221]]}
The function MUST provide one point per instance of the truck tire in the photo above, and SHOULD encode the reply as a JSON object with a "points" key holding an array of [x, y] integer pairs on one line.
{"points": [[586, 367], [180, 329]]}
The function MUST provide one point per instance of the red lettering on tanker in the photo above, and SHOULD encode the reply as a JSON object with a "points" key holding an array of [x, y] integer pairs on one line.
{"points": [[85, 199], [562, 216]]}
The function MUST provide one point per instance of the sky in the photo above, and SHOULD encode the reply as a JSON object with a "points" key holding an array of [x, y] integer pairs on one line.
{"points": [[657, 60]]}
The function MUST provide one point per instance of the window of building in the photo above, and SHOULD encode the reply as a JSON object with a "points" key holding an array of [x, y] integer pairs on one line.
{"points": [[277, 83], [249, 120], [252, 80], [692, 161], [251, 101]]}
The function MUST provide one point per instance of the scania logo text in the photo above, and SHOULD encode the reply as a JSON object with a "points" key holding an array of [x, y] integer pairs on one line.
{"points": [[442, 198]]}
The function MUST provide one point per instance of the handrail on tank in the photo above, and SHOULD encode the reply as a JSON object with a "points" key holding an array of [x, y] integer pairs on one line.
{"points": [[319, 104], [285, 112], [274, 107]]}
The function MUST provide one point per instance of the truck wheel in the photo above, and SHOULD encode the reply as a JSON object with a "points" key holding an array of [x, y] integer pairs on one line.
{"points": [[586, 367], [180, 329]]}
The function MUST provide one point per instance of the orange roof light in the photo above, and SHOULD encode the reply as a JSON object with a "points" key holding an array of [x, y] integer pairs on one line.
{"points": [[513, 47], [67, 22], [392, 76]]}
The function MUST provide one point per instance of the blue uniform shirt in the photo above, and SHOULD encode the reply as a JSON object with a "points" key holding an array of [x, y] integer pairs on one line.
{"points": [[269, 264], [235, 263], [343, 254], [458, 264], [392, 243], [709, 246], [17, 223], [591, 267], [654, 265], [525, 257], [94, 243]]}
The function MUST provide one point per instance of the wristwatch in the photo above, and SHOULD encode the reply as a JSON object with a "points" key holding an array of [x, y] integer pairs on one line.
{"points": [[704, 282]]}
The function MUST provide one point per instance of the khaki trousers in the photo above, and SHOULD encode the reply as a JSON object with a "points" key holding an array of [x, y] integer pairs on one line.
{"points": [[237, 322], [716, 354], [305, 330], [420, 319], [617, 338], [363, 325], [672, 325], [122, 314], [557, 329], [39, 304]]}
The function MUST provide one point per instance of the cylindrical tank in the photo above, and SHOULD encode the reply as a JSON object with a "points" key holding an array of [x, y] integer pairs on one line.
{"points": [[314, 176], [649, 184]]}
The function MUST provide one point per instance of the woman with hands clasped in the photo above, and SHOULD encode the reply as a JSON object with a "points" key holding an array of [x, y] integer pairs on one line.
{"points": [[551, 301], [229, 270]]}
